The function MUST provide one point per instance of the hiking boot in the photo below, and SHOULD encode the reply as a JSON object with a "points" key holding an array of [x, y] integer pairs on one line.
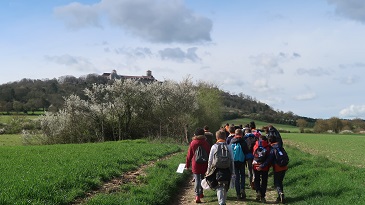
{"points": [[263, 200], [243, 194], [201, 195], [258, 196], [197, 199], [282, 198]]}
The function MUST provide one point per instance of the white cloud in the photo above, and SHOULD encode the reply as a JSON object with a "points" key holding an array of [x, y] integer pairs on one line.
{"points": [[353, 111], [163, 21], [271, 62]]}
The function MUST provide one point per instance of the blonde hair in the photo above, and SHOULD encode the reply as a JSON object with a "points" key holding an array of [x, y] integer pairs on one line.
{"points": [[220, 135]]}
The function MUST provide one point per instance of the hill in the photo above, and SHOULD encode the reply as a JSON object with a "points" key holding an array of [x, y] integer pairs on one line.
{"points": [[29, 95]]}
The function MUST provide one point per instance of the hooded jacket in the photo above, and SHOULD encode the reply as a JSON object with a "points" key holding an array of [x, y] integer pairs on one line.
{"points": [[190, 158]]}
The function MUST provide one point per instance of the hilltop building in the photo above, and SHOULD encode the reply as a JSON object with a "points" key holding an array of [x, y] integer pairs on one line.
{"points": [[145, 79]]}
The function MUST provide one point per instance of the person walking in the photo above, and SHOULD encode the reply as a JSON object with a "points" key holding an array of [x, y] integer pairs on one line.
{"points": [[220, 167], [261, 173], [240, 150], [198, 168]]}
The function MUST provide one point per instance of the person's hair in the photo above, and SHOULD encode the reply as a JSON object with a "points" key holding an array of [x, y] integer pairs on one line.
{"points": [[220, 135], [231, 129], [252, 125], [206, 127], [263, 137], [238, 132], [199, 131]]}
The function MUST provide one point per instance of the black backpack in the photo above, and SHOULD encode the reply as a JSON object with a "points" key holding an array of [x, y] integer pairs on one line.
{"points": [[261, 153], [250, 141], [281, 156], [201, 155]]}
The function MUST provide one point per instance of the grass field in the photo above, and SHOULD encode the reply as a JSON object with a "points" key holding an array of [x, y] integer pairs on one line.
{"points": [[56, 174], [348, 149], [260, 124]]}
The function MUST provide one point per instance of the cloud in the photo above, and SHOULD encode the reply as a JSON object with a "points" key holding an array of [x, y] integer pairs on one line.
{"points": [[78, 63], [261, 85], [305, 96], [271, 62], [349, 80], [353, 111], [76, 15], [176, 54], [353, 9], [140, 52], [161, 21], [313, 72]]}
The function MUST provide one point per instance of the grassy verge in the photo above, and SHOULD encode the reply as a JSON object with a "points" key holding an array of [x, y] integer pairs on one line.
{"points": [[160, 184], [11, 140], [57, 174]]}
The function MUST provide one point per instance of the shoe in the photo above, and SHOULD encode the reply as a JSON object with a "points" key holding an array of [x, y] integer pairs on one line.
{"points": [[252, 185], [282, 198], [193, 180], [243, 194], [263, 200], [278, 200], [197, 199], [258, 196], [201, 195]]}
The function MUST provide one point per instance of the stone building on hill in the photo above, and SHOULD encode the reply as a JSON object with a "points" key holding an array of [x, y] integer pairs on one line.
{"points": [[145, 79]]}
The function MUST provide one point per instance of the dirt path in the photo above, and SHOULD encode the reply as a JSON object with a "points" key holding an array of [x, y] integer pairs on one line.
{"points": [[187, 196]]}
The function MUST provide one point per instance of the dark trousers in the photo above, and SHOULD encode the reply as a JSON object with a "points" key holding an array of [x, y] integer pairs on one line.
{"points": [[239, 169], [261, 182], [278, 181]]}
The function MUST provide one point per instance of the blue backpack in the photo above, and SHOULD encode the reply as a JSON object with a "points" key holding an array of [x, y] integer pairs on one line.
{"points": [[238, 154]]}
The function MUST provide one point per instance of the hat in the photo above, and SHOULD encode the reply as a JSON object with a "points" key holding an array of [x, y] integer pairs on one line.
{"points": [[199, 131]]}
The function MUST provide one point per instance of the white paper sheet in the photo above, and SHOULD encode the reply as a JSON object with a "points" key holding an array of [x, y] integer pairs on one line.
{"points": [[180, 168]]}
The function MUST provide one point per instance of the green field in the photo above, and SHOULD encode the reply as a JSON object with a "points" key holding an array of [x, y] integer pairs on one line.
{"points": [[323, 169], [57, 174], [260, 124]]}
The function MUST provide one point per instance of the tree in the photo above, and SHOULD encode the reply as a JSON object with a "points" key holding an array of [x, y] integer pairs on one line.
{"points": [[321, 126], [335, 124], [301, 123]]}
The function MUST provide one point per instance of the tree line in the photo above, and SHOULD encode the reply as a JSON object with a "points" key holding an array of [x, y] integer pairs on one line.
{"points": [[129, 109]]}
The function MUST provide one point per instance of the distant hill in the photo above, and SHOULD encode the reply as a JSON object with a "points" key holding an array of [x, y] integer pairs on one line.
{"points": [[29, 95]]}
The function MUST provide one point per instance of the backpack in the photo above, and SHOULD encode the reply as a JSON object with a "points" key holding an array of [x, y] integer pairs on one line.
{"points": [[222, 157], [261, 153], [281, 156], [251, 141], [237, 152], [256, 133], [201, 155]]}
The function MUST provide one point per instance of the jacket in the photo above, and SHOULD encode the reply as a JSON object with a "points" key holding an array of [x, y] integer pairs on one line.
{"points": [[256, 164], [242, 142], [190, 158], [271, 159]]}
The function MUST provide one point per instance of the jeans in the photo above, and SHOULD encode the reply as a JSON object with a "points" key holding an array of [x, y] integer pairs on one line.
{"points": [[261, 182], [197, 185], [239, 170], [249, 169], [278, 181], [222, 193]]}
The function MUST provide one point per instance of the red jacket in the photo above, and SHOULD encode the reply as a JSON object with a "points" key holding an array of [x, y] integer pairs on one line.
{"points": [[190, 158], [266, 145]]}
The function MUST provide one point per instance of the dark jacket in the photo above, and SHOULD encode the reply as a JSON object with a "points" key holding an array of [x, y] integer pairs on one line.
{"points": [[256, 164]]}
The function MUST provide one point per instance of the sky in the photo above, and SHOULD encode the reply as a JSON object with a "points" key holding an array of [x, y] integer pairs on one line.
{"points": [[305, 57]]}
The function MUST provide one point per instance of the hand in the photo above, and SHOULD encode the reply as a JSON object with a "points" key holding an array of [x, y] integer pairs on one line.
{"points": [[259, 168]]}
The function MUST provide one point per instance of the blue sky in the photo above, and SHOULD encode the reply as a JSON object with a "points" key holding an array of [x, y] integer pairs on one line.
{"points": [[306, 57]]}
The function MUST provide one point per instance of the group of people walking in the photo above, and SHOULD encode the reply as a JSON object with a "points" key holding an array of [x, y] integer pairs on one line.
{"points": [[222, 161]]}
